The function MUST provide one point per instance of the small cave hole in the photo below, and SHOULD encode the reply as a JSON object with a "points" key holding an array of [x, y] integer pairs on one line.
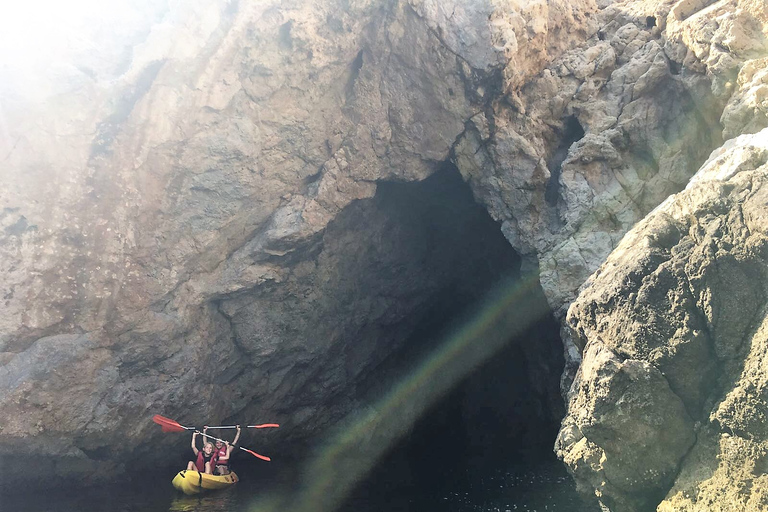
{"points": [[284, 36], [674, 67], [650, 21], [354, 73], [313, 178], [572, 132]]}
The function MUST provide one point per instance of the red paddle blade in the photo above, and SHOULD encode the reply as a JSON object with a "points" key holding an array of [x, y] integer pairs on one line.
{"points": [[168, 424], [265, 425], [172, 428], [262, 457]]}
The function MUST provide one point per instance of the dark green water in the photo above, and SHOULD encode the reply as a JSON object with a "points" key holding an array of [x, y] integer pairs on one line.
{"points": [[542, 487]]}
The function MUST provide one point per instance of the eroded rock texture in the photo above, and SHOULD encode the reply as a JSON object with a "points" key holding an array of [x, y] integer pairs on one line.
{"points": [[187, 222], [197, 211], [674, 327], [670, 324]]}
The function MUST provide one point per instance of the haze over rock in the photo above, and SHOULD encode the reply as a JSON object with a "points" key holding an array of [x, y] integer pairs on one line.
{"points": [[156, 213], [199, 209]]}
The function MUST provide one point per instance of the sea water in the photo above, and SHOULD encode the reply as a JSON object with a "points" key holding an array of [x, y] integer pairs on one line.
{"points": [[543, 486]]}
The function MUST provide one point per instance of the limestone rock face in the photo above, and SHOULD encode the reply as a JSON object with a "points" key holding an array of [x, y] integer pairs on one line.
{"points": [[588, 147], [674, 331], [167, 203], [195, 211], [683, 297]]}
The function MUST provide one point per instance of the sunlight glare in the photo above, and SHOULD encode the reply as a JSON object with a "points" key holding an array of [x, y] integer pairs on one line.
{"points": [[39, 31]]}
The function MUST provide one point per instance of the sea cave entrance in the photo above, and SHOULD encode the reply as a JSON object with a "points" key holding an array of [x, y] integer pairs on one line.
{"points": [[505, 409]]}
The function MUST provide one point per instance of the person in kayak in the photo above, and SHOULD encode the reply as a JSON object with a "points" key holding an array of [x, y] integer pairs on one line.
{"points": [[223, 452], [206, 458]]}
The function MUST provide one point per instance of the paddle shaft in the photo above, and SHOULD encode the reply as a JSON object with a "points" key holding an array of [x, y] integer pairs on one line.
{"points": [[263, 457], [170, 425], [173, 424], [246, 426], [214, 438]]}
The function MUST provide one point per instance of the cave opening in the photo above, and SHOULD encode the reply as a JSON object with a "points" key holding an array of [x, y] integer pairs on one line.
{"points": [[572, 132], [420, 357], [507, 410]]}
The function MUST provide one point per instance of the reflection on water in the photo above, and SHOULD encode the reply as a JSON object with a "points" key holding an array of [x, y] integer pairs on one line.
{"points": [[531, 490], [542, 486], [210, 502]]}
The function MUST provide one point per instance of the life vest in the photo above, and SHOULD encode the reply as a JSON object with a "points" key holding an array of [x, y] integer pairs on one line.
{"points": [[222, 459], [202, 459]]}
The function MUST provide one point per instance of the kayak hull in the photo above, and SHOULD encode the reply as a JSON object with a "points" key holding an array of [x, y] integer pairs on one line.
{"points": [[194, 482]]}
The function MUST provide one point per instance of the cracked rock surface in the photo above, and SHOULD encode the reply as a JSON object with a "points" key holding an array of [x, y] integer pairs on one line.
{"points": [[196, 211], [172, 219], [673, 325], [669, 325]]}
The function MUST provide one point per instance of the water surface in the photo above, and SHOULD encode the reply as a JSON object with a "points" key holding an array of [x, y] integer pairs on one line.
{"points": [[541, 487]]}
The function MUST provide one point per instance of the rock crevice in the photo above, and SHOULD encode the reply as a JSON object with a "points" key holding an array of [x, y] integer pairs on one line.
{"points": [[207, 217]]}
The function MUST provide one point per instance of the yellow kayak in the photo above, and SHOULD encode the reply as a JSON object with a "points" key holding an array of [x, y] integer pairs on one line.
{"points": [[194, 482]]}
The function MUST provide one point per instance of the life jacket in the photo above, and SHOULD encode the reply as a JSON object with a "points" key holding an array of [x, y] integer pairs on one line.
{"points": [[202, 459], [221, 456]]}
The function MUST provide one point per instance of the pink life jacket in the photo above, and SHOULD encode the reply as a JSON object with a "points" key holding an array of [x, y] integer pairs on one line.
{"points": [[202, 459]]}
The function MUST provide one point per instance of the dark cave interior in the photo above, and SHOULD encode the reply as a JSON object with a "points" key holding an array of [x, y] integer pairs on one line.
{"points": [[508, 409]]}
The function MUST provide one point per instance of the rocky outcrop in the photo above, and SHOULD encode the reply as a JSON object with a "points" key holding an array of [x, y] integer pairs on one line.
{"points": [[572, 160], [583, 145], [166, 233], [196, 211], [669, 324], [673, 326]]}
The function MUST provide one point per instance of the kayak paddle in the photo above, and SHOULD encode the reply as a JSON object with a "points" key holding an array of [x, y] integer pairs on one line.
{"points": [[262, 457], [265, 425], [176, 427], [170, 425]]}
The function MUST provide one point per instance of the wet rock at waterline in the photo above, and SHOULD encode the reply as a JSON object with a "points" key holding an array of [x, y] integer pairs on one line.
{"points": [[198, 211]]}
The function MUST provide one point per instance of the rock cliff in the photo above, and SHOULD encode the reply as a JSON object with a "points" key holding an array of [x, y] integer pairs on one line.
{"points": [[670, 324], [668, 394], [200, 210], [174, 205]]}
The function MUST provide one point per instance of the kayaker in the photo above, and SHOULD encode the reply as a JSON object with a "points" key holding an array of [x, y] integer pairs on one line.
{"points": [[223, 452], [206, 458]]}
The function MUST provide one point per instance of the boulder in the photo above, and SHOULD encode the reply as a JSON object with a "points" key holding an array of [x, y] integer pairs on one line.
{"points": [[682, 301]]}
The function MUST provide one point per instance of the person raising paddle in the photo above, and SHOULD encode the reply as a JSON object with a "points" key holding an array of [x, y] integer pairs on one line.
{"points": [[206, 458], [223, 452]]}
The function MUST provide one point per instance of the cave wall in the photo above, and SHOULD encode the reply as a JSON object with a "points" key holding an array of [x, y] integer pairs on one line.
{"points": [[142, 201], [387, 272], [167, 224]]}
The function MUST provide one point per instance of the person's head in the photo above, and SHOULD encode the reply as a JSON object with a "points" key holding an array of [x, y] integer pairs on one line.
{"points": [[208, 448], [219, 444]]}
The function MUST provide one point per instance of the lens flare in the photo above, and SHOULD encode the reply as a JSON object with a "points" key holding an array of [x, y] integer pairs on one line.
{"points": [[362, 440]]}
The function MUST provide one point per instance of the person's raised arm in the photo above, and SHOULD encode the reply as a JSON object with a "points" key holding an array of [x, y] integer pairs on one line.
{"points": [[231, 446], [194, 443]]}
